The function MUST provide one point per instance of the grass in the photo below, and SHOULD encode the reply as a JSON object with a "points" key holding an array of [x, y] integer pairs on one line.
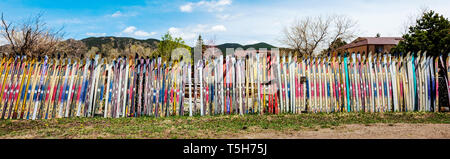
{"points": [[200, 127]]}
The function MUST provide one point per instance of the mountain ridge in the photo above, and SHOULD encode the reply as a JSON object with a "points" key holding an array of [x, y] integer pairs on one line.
{"points": [[119, 41]]}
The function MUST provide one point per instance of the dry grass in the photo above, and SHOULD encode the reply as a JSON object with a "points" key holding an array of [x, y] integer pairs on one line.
{"points": [[234, 126]]}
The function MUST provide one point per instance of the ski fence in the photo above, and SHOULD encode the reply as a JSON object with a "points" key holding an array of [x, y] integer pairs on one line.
{"points": [[45, 88]]}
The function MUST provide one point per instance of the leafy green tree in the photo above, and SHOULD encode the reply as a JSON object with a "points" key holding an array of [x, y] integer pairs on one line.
{"points": [[431, 34], [168, 44]]}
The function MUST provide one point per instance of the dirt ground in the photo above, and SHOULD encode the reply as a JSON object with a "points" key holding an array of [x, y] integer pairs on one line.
{"points": [[356, 131]]}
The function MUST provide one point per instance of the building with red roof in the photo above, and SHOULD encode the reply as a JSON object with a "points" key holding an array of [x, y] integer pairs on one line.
{"points": [[369, 44]]}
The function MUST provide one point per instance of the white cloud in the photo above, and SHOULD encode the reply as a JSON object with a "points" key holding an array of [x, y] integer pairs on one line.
{"points": [[223, 17], [183, 33], [190, 33], [186, 8], [141, 33], [96, 34], [117, 14], [251, 42], [3, 41], [210, 6], [129, 30], [173, 30], [224, 2], [133, 31], [218, 28]]}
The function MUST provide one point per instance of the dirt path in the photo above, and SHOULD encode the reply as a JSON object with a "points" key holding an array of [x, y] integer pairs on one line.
{"points": [[358, 131]]}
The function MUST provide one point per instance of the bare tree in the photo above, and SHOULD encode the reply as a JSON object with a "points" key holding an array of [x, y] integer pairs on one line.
{"points": [[32, 37], [211, 42], [411, 20], [344, 29], [306, 36], [210, 50]]}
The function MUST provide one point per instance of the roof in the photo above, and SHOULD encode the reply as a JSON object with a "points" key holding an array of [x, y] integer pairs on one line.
{"points": [[372, 41]]}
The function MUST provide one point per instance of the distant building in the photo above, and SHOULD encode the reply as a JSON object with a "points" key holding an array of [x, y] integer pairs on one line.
{"points": [[369, 44], [198, 50]]}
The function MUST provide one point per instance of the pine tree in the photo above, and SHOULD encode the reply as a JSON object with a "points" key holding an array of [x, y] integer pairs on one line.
{"points": [[431, 34]]}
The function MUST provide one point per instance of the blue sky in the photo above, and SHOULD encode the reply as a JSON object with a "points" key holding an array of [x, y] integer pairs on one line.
{"points": [[218, 21]]}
